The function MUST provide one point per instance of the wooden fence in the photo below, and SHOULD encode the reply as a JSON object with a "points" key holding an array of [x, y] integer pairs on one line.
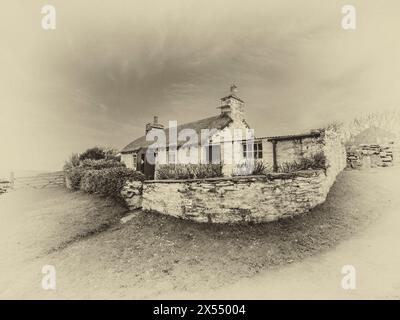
{"points": [[39, 181]]}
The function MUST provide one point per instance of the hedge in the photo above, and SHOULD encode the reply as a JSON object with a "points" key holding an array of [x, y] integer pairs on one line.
{"points": [[74, 174], [100, 164], [108, 181], [189, 171]]}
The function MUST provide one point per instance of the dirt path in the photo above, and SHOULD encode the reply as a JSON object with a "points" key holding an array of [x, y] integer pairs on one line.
{"points": [[374, 253]]}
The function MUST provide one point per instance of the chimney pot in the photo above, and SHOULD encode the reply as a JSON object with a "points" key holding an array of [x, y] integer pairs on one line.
{"points": [[234, 89], [154, 125]]}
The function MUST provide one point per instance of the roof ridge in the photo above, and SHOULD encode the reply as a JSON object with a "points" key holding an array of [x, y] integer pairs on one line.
{"points": [[141, 142]]}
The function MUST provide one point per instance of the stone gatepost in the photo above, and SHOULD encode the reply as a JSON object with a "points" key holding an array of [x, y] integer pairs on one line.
{"points": [[132, 194]]}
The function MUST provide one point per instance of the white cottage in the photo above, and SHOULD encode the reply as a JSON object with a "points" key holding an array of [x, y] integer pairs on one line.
{"points": [[229, 141], [230, 122]]}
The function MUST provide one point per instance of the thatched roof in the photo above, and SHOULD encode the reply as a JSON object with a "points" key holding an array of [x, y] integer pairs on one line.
{"points": [[217, 122]]}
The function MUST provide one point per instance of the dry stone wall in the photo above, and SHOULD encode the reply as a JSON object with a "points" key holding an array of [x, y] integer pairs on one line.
{"points": [[369, 156], [132, 193], [335, 153], [229, 200]]}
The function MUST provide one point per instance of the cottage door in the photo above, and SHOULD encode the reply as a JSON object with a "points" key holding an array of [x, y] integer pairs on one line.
{"points": [[213, 154], [149, 170], [141, 162]]}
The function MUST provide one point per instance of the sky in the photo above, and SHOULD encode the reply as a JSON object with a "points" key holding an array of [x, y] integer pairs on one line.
{"points": [[110, 66]]}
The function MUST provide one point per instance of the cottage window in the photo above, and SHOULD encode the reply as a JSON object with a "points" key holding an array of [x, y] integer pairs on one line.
{"points": [[255, 150]]}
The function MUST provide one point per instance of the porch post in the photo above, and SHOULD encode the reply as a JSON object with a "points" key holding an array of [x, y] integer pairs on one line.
{"points": [[275, 161]]}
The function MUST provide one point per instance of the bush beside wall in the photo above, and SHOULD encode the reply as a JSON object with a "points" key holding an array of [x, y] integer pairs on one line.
{"points": [[104, 176], [252, 167], [100, 164], [108, 181], [188, 171], [316, 161], [74, 174]]}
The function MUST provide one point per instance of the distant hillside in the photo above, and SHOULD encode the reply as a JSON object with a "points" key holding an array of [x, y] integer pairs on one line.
{"points": [[373, 135]]}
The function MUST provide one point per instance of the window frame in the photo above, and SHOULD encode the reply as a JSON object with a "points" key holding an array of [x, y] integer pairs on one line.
{"points": [[256, 150]]}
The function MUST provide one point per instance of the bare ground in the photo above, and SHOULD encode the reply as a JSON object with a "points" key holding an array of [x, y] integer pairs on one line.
{"points": [[158, 256]]}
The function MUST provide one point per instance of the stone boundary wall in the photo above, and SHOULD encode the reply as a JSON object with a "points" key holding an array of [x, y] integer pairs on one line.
{"points": [[370, 156], [335, 153], [132, 194], [229, 200], [241, 199]]}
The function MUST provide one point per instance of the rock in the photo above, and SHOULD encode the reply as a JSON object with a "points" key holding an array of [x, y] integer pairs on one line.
{"points": [[129, 217]]}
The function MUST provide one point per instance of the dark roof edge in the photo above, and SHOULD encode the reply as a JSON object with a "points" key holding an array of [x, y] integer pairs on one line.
{"points": [[270, 139], [130, 151], [294, 137], [232, 96]]}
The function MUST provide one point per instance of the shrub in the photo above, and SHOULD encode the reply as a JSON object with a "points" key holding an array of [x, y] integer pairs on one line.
{"points": [[72, 162], [95, 153], [319, 161], [112, 154], [335, 126], [260, 168], [289, 166], [98, 153], [74, 176], [108, 181], [74, 169], [207, 171], [100, 164], [188, 171], [315, 162], [248, 167]]}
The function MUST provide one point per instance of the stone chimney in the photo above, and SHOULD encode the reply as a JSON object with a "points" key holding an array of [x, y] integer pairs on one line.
{"points": [[154, 125], [232, 105]]}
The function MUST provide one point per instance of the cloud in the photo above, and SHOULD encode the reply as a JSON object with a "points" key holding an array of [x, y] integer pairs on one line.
{"points": [[111, 65]]}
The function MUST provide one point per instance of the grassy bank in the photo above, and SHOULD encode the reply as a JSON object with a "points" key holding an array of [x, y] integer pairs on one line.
{"points": [[153, 253]]}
